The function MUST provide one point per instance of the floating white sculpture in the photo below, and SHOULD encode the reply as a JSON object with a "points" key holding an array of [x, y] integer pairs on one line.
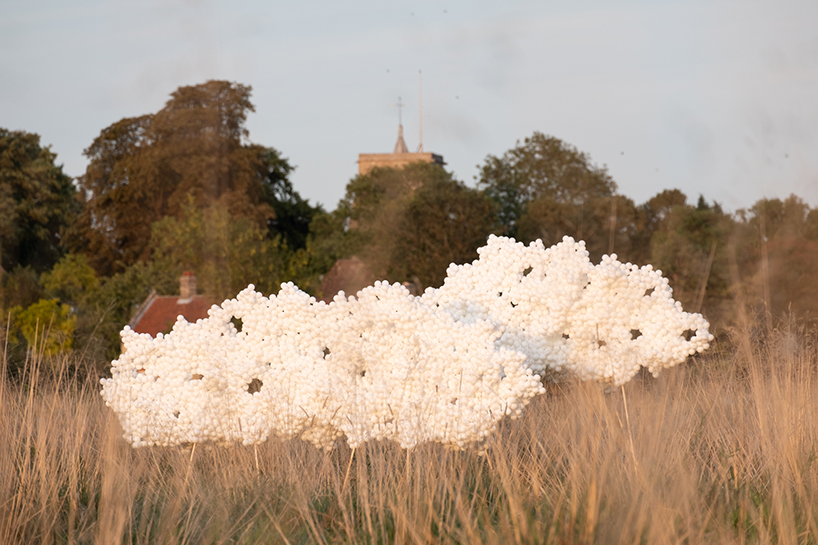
{"points": [[444, 367], [599, 322]]}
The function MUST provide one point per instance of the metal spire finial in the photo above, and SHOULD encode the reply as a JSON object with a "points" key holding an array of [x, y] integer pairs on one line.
{"points": [[400, 104], [420, 104]]}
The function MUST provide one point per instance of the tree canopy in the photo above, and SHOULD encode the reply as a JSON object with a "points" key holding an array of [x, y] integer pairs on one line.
{"points": [[37, 202], [409, 224], [445, 222], [227, 253], [545, 188], [143, 169], [185, 189]]}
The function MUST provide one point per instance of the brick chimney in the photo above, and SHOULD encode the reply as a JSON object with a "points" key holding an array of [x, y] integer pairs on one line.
{"points": [[187, 285]]}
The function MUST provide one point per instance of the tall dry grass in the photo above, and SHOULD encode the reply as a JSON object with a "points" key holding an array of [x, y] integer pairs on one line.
{"points": [[720, 450]]}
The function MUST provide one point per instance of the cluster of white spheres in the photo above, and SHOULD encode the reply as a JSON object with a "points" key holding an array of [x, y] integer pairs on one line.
{"points": [[570, 317], [442, 367]]}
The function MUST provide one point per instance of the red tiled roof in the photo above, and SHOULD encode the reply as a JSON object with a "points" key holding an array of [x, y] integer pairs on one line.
{"points": [[158, 313]]}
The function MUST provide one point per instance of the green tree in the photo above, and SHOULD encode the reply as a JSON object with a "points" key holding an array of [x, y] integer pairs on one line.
{"points": [[367, 220], [811, 225], [649, 218], [789, 218], [145, 168], [292, 215], [21, 287], [390, 217], [689, 245], [110, 308], [405, 224], [37, 202], [326, 242], [227, 253], [46, 325], [445, 222], [659, 207], [545, 188], [72, 280]]}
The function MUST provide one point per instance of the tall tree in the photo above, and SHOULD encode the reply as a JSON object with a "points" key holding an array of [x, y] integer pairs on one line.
{"points": [[373, 209], [371, 212], [651, 217], [37, 202], [406, 224], [545, 188], [690, 246], [143, 169], [445, 222], [292, 215]]}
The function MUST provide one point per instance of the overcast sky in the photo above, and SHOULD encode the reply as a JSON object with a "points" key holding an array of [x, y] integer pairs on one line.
{"points": [[713, 97]]}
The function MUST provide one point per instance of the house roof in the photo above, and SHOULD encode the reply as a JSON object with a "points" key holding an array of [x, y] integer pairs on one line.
{"points": [[158, 313]]}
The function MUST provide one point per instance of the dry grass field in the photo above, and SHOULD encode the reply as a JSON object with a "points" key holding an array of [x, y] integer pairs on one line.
{"points": [[722, 449]]}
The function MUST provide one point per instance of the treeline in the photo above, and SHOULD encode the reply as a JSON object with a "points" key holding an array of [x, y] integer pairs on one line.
{"points": [[185, 189]]}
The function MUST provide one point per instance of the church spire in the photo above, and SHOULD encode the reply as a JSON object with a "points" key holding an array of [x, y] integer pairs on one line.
{"points": [[400, 145], [420, 108]]}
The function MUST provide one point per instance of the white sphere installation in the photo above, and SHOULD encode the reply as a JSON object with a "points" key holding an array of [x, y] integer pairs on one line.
{"points": [[443, 367], [597, 322]]}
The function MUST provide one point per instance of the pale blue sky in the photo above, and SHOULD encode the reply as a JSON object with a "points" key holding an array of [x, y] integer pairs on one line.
{"points": [[714, 97]]}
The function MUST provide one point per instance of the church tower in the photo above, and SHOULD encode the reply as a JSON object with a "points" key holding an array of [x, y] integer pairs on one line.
{"points": [[400, 156]]}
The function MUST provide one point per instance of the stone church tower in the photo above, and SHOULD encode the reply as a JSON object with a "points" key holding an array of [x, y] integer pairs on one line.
{"points": [[400, 156]]}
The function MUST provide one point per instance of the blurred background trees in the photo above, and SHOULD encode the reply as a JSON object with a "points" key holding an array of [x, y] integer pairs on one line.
{"points": [[147, 168], [37, 202], [409, 224], [227, 252], [546, 189], [444, 222], [185, 189], [775, 256]]}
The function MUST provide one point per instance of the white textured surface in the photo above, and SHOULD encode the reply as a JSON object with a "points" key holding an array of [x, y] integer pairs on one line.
{"points": [[444, 367], [568, 315]]}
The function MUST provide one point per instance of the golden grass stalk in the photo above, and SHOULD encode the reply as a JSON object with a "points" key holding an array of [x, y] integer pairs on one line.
{"points": [[727, 451]]}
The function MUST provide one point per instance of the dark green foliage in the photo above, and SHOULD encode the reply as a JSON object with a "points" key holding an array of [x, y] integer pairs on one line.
{"points": [[445, 222], [546, 189], [21, 287], [37, 202], [409, 224], [292, 215], [542, 167], [681, 247]]}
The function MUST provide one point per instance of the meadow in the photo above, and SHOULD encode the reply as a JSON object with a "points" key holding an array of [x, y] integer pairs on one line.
{"points": [[722, 449]]}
